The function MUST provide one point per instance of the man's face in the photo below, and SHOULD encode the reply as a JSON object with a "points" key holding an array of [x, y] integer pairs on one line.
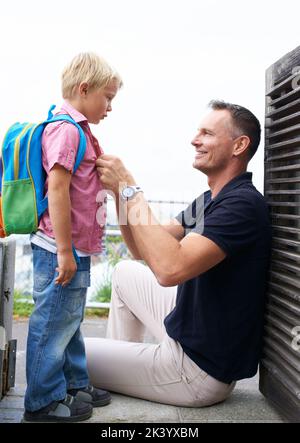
{"points": [[214, 142]]}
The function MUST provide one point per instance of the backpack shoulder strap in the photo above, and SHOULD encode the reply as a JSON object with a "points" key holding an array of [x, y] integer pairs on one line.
{"points": [[82, 139], [81, 147]]}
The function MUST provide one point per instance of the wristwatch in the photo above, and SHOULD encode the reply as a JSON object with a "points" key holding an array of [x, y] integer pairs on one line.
{"points": [[129, 192]]}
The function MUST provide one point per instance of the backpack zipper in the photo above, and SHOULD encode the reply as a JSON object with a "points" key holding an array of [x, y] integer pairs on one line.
{"points": [[29, 172], [17, 151]]}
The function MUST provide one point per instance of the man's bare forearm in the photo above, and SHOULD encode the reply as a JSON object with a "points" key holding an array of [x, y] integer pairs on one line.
{"points": [[126, 231], [157, 247]]}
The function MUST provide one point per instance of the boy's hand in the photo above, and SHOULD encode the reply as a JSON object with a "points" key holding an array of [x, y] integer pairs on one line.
{"points": [[66, 269]]}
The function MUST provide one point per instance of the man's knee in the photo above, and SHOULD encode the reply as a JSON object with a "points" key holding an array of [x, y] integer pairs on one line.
{"points": [[124, 271], [127, 275], [120, 270]]}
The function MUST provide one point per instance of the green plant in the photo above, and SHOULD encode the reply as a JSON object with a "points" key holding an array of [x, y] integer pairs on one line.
{"points": [[103, 293], [103, 290], [113, 239], [114, 253], [22, 308], [96, 312]]}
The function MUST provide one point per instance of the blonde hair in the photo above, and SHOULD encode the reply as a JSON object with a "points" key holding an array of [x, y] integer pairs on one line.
{"points": [[90, 68]]}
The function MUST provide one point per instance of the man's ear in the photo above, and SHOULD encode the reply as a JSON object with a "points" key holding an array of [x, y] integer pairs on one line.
{"points": [[83, 89], [241, 145]]}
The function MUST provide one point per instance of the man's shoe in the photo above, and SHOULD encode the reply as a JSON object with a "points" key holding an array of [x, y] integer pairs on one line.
{"points": [[94, 396], [68, 410]]}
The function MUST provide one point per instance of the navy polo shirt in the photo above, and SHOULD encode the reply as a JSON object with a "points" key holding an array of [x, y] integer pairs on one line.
{"points": [[218, 317]]}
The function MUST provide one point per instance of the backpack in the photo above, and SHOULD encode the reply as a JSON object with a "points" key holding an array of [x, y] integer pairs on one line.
{"points": [[22, 199]]}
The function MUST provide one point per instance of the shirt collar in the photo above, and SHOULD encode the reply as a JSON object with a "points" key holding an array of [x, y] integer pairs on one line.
{"points": [[76, 115], [236, 182], [246, 177]]}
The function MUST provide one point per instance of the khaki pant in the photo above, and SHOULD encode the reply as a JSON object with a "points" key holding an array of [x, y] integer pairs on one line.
{"points": [[158, 372]]}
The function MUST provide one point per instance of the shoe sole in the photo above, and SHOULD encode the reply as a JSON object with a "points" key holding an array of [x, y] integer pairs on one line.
{"points": [[55, 419], [103, 402]]}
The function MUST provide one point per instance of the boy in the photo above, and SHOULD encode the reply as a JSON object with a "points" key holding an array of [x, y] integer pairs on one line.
{"points": [[58, 387]]}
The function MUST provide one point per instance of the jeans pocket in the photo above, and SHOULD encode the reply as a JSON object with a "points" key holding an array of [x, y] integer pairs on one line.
{"points": [[41, 281], [81, 279], [73, 300], [74, 294], [43, 270]]}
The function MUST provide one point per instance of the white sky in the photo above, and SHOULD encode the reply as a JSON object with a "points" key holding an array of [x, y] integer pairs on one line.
{"points": [[174, 57]]}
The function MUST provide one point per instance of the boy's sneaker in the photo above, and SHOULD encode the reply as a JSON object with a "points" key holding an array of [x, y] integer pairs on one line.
{"points": [[68, 410], [94, 396]]}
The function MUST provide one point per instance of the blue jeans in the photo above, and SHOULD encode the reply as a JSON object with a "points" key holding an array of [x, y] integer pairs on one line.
{"points": [[56, 358]]}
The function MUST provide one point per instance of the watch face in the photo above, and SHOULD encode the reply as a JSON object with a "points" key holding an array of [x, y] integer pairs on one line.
{"points": [[128, 192]]}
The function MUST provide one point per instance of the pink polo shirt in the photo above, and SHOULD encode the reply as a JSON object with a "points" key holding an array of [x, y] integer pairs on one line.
{"points": [[60, 144]]}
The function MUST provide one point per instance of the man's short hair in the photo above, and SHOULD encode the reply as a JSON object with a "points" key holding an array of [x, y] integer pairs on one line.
{"points": [[90, 68], [243, 121]]}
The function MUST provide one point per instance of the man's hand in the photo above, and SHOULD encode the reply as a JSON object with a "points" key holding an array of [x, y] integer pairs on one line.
{"points": [[66, 269], [112, 172]]}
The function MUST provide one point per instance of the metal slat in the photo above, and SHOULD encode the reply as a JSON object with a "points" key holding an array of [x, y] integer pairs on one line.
{"points": [[287, 254], [284, 229], [283, 120], [283, 204], [286, 291], [283, 319], [290, 280], [275, 325], [293, 154], [283, 265], [285, 216], [282, 144], [284, 110], [279, 373], [286, 330], [295, 128], [283, 340], [284, 168], [280, 324], [283, 180], [288, 317], [283, 302], [283, 100], [282, 85], [283, 363], [286, 242], [283, 351], [284, 192]]}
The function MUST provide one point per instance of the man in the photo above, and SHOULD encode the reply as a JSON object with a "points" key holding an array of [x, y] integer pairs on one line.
{"points": [[202, 294]]}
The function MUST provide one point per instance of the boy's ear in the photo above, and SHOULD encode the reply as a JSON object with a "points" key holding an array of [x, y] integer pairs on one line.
{"points": [[83, 89]]}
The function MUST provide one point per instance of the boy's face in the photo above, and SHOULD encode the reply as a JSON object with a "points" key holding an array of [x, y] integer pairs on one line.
{"points": [[97, 102]]}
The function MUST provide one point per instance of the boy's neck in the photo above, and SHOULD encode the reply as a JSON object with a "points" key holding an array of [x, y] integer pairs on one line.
{"points": [[76, 104]]}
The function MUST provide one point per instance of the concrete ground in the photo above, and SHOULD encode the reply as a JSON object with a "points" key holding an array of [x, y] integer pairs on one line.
{"points": [[246, 403]]}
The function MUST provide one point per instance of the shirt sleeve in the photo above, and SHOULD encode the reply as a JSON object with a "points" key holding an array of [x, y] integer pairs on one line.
{"points": [[60, 145], [193, 216], [233, 224]]}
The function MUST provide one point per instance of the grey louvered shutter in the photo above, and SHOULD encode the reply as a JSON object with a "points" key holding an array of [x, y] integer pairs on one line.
{"points": [[280, 367]]}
